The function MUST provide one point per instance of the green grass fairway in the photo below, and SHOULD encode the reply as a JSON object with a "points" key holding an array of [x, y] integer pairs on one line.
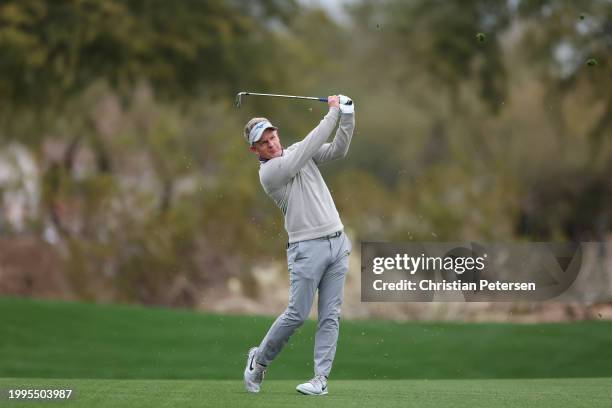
{"points": [[125, 356], [540, 393], [45, 339]]}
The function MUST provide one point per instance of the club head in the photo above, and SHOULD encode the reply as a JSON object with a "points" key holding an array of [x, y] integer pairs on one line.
{"points": [[238, 102]]}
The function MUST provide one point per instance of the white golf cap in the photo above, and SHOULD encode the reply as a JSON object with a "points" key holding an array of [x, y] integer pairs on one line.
{"points": [[258, 130]]}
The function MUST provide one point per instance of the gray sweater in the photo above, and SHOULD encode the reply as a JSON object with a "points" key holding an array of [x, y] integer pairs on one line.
{"points": [[295, 184]]}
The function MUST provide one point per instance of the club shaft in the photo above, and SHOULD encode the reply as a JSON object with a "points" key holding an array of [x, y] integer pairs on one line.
{"points": [[284, 96]]}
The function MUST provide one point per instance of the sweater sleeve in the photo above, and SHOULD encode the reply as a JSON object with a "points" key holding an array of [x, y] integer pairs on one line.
{"points": [[338, 148], [278, 171]]}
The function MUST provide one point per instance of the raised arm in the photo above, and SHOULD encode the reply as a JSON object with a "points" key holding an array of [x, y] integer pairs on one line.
{"points": [[338, 148], [281, 169]]}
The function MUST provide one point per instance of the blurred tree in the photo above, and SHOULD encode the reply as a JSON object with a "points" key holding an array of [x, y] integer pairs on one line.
{"points": [[570, 45], [54, 48], [438, 40], [459, 47]]}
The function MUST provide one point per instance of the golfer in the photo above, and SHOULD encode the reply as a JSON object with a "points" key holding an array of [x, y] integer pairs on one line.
{"points": [[318, 250]]}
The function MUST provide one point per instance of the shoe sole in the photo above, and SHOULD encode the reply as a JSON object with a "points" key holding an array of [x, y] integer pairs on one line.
{"points": [[303, 392]]}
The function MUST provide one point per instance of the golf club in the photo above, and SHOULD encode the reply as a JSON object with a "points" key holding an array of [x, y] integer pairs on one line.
{"points": [[239, 96]]}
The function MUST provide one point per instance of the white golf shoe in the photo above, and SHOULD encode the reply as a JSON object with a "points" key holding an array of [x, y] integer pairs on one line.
{"points": [[316, 386], [253, 373]]}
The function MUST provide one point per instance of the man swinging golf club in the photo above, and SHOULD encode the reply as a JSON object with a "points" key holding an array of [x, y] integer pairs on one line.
{"points": [[318, 249]]}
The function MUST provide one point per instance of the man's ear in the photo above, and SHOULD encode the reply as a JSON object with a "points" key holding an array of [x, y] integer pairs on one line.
{"points": [[253, 149]]}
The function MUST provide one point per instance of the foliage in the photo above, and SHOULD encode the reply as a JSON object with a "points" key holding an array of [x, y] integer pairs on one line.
{"points": [[147, 188], [54, 48]]}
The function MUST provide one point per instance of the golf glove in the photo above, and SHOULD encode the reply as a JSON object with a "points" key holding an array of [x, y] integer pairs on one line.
{"points": [[346, 104]]}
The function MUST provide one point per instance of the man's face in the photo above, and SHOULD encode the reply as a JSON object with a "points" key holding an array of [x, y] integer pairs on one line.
{"points": [[268, 147]]}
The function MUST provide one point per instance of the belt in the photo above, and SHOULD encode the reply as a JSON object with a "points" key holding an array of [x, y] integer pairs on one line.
{"points": [[334, 235]]}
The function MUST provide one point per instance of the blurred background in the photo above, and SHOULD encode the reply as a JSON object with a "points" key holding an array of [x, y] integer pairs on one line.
{"points": [[124, 177]]}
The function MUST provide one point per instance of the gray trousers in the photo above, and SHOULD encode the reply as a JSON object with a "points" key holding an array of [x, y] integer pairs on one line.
{"points": [[321, 264]]}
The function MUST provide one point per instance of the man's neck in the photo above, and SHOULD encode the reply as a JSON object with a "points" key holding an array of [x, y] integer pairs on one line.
{"points": [[262, 160]]}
